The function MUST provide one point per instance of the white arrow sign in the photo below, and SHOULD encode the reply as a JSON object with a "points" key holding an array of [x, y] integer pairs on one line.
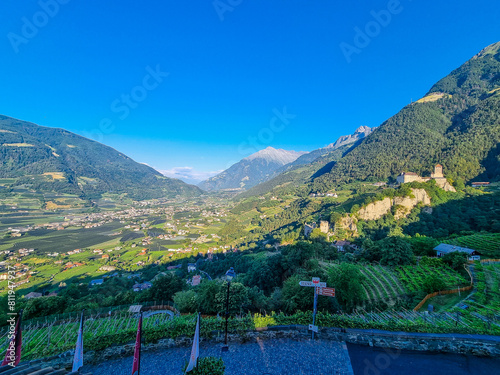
{"points": [[310, 283]]}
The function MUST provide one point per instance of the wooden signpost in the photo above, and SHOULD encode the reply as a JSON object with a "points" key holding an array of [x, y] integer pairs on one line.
{"points": [[319, 289]]}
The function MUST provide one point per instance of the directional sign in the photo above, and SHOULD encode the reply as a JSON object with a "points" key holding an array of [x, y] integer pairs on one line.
{"points": [[313, 328], [310, 283], [329, 292], [320, 289]]}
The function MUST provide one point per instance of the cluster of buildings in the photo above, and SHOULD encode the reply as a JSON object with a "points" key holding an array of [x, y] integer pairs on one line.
{"points": [[314, 195]]}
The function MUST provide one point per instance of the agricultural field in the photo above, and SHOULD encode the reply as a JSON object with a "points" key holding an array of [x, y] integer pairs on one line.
{"points": [[381, 284], [412, 277], [52, 335], [389, 285], [484, 304], [444, 302], [488, 244], [64, 240], [24, 219], [44, 337]]}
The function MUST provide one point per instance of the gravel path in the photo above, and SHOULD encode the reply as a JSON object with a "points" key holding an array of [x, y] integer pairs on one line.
{"points": [[261, 357]]}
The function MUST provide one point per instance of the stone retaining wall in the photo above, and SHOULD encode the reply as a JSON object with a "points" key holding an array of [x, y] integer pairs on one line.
{"points": [[479, 345]]}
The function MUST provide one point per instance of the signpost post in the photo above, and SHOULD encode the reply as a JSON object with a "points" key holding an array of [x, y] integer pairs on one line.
{"points": [[319, 289]]}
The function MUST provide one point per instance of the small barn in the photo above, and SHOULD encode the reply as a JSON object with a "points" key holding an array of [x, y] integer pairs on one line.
{"points": [[443, 249]]}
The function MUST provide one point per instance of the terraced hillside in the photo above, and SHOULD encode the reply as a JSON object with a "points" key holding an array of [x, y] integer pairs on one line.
{"points": [[389, 285], [486, 243], [412, 277], [485, 302], [381, 284]]}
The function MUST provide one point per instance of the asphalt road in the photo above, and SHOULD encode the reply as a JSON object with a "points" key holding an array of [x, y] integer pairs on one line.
{"points": [[366, 360]]}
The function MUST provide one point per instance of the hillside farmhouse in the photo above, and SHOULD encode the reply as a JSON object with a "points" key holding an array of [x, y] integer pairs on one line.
{"points": [[443, 249]]}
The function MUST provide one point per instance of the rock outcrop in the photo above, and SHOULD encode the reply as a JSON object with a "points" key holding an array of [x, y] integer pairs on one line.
{"points": [[376, 210]]}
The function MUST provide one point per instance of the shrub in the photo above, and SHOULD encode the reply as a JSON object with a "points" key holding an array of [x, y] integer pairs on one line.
{"points": [[263, 321], [207, 366]]}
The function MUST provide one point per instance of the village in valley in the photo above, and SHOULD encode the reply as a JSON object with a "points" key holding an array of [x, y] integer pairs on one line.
{"points": [[119, 243]]}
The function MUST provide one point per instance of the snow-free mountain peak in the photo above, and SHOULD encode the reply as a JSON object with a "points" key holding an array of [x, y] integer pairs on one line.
{"points": [[276, 155], [251, 170]]}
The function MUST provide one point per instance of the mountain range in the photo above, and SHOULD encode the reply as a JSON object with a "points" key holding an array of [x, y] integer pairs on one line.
{"points": [[251, 171], [52, 159], [456, 124], [360, 133], [268, 163]]}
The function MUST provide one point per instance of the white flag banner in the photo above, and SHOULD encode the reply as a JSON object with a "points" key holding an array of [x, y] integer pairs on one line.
{"points": [[78, 360], [195, 351]]}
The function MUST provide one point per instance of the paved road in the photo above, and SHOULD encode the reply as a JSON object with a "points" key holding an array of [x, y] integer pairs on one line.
{"points": [[378, 361], [264, 357]]}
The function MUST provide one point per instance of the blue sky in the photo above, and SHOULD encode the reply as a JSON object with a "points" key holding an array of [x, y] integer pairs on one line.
{"points": [[194, 86]]}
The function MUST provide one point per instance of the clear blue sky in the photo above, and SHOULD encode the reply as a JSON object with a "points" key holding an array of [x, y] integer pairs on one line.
{"points": [[229, 70]]}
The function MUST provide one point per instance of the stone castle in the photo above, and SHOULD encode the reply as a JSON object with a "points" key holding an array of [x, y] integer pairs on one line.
{"points": [[437, 176]]}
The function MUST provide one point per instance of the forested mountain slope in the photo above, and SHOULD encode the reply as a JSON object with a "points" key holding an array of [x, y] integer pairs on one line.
{"points": [[51, 159], [457, 124]]}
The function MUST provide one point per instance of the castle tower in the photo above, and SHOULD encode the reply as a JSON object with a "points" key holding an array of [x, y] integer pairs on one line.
{"points": [[438, 171], [324, 226]]}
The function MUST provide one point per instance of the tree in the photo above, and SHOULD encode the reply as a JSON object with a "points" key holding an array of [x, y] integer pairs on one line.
{"points": [[395, 251], [238, 298], [317, 234], [43, 306], [433, 283], [455, 260], [186, 301], [423, 246], [295, 297], [347, 280], [371, 251], [206, 293], [165, 287]]}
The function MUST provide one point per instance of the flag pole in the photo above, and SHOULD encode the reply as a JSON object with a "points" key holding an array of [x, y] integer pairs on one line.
{"points": [[195, 351], [140, 339], [78, 359], [136, 366]]}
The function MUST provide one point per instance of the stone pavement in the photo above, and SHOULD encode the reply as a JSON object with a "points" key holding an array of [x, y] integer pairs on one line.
{"points": [[258, 357]]}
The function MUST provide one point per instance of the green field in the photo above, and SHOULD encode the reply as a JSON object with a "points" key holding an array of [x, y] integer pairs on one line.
{"points": [[64, 240], [412, 277], [488, 244]]}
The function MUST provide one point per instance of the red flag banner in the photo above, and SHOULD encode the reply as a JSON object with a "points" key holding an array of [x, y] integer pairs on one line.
{"points": [[137, 350], [13, 354]]}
